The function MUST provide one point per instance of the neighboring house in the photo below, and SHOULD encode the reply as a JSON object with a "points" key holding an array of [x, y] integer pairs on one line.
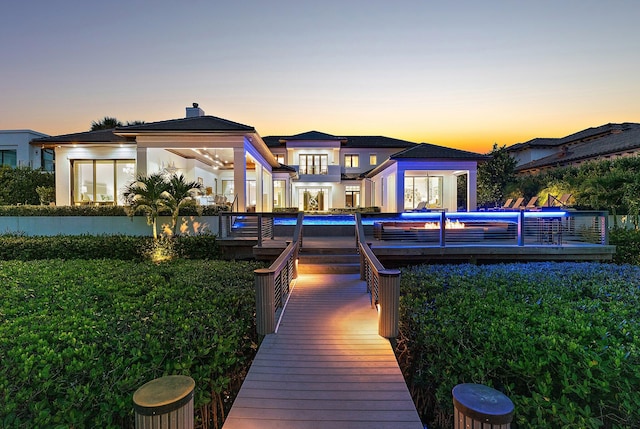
{"points": [[604, 142], [15, 150], [309, 171]]}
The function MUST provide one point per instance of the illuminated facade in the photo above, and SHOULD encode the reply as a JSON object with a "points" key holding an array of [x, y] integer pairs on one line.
{"points": [[312, 171]]}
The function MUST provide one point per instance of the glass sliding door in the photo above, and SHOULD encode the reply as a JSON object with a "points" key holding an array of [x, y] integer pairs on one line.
{"points": [[423, 189], [352, 196], [101, 181]]}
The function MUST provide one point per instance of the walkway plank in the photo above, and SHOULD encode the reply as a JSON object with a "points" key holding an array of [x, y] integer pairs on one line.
{"points": [[327, 367]]}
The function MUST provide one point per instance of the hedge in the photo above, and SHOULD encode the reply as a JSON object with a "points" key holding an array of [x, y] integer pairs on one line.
{"points": [[88, 210], [136, 248], [560, 339], [627, 242], [77, 338]]}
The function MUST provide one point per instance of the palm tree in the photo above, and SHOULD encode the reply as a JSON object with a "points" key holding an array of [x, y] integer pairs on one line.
{"points": [[149, 194], [105, 123], [180, 191]]}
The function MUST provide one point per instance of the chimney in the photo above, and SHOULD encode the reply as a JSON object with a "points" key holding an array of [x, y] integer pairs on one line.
{"points": [[195, 111]]}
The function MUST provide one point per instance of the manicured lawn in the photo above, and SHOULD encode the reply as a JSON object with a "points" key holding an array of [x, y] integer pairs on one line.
{"points": [[78, 337], [560, 339]]}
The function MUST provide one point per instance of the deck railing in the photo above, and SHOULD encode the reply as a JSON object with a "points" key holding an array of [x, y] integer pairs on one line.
{"points": [[383, 285], [272, 284], [520, 228], [258, 226]]}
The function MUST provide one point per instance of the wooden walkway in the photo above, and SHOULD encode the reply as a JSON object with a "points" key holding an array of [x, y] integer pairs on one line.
{"points": [[326, 367]]}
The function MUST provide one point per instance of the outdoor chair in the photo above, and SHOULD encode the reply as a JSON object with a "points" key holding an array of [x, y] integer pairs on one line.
{"points": [[531, 205], [516, 205], [506, 205]]}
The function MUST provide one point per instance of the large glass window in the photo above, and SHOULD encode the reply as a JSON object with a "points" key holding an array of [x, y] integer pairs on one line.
{"points": [[101, 181], [279, 200], [313, 164], [425, 189], [351, 161], [8, 157], [373, 159], [352, 196], [47, 159], [227, 190], [251, 193]]}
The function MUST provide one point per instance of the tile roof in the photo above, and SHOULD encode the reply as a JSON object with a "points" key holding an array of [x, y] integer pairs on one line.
{"points": [[198, 123], [431, 151], [587, 134], [100, 136], [625, 138], [347, 141]]}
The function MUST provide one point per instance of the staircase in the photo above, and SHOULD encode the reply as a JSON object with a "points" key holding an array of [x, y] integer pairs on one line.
{"points": [[329, 255], [244, 226]]}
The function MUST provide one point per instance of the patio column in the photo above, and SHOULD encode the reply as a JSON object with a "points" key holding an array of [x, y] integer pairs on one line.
{"points": [[472, 190], [399, 208], [240, 177], [259, 186]]}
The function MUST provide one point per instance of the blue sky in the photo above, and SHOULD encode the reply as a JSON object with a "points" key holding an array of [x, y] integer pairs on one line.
{"points": [[462, 74]]}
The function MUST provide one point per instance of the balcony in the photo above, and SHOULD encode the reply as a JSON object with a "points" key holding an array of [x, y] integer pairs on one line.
{"points": [[330, 173]]}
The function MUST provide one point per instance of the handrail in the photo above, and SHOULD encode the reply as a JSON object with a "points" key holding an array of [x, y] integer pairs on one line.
{"points": [[272, 284], [383, 285], [520, 228]]}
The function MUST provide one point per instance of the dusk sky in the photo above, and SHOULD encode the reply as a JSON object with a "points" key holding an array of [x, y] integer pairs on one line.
{"points": [[462, 74]]}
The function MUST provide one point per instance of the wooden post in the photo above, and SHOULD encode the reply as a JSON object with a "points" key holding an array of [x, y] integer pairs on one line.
{"points": [[479, 406], [265, 301], [389, 302], [165, 403]]}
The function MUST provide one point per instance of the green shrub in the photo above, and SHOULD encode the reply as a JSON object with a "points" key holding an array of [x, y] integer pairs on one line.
{"points": [[136, 248], [77, 338], [627, 242], [108, 210], [560, 339], [18, 185]]}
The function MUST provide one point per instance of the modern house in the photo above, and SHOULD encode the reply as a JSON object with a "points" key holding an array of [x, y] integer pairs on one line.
{"points": [[608, 141], [310, 171], [15, 150]]}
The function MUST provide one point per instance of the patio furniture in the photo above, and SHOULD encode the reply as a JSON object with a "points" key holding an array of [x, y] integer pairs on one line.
{"points": [[516, 205], [506, 205], [531, 205]]}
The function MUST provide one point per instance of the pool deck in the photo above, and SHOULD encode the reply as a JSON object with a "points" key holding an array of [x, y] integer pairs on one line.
{"points": [[326, 367], [394, 252]]}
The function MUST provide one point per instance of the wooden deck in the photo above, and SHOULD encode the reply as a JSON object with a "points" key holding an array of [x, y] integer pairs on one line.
{"points": [[326, 367]]}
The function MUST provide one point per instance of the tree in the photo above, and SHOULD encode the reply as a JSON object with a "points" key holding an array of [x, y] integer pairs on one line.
{"points": [[181, 192], [106, 123], [149, 194], [494, 175]]}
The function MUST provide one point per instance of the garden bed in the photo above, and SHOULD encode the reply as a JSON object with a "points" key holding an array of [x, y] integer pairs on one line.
{"points": [[77, 338], [559, 339]]}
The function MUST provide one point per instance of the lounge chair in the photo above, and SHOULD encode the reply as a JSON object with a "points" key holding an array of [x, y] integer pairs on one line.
{"points": [[531, 205], [505, 206], [516, 205]]}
